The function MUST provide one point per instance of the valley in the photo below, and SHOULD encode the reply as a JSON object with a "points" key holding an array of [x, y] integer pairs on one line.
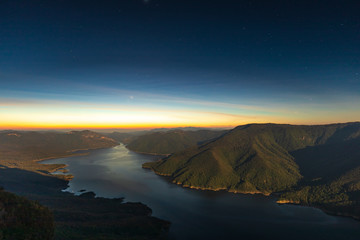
{"points": [[314, 166]]}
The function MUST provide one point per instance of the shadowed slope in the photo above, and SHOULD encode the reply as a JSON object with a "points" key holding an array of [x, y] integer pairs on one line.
{"points": [[21, 218], [251, 158]]}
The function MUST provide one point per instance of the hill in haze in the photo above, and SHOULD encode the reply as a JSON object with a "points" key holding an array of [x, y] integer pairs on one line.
{"points": [[181, 129], [126, 137], [300, 161], [167, 142], [23, 149]]}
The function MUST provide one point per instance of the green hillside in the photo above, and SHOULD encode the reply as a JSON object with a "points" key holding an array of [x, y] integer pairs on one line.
{"points": [[266, 158], [167, 142]]}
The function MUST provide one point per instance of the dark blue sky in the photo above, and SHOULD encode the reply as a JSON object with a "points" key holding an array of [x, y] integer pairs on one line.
{"points": [[258, 53]]}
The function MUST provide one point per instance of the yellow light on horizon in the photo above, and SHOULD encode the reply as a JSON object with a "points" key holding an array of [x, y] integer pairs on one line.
{"points": [[77, 115], [41, 117]]}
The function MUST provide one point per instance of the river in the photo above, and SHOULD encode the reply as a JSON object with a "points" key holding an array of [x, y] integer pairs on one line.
{"points": [[196, 214]]}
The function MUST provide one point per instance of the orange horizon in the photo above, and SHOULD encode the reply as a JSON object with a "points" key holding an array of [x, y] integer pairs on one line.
{"points": [[138, 126], [125, 127]]}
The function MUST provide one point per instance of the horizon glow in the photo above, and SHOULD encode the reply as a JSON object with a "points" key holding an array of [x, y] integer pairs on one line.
{"points": [[141, 111], [126, 64]]}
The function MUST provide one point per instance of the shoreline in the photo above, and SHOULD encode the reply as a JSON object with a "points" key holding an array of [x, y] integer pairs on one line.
{"points": [[101, 214], [54, 167], [222, 189], [58, 157], [147, 153], [322, 208], [208, 189], [71, 153], [278, 201], [51, 168]]}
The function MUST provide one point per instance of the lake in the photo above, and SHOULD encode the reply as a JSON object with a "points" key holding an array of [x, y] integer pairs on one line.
{"points": [[196, 214]]}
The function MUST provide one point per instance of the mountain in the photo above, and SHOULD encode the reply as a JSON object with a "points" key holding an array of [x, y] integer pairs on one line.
{"points": [[22, 149], [124, 138], [167, 142], [179, 128], [299, 161]]}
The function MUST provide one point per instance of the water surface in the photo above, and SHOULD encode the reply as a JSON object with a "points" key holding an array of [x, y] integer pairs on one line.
{"points": [[196, 214]]}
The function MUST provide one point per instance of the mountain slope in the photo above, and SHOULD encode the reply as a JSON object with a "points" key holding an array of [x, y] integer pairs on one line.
{"points": [[21, 218], [171, 141], [251, 158], [331, 178]]}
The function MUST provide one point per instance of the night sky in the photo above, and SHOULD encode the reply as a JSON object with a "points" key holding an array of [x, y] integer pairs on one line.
{"points": [[136, 63]]}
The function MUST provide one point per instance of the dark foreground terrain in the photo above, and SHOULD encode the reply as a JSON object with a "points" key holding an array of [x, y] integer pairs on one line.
{"points": [[84, 217], [21, 218]]}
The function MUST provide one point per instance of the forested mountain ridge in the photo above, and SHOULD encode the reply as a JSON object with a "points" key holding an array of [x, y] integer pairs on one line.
{"points": [[167, 142], [267, 158]]}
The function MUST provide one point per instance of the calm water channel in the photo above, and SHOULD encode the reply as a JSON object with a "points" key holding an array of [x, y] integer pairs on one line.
{"points": [[195, 214]]}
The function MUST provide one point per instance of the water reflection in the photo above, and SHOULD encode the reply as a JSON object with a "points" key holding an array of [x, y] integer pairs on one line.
{"points": [[195, 214]]}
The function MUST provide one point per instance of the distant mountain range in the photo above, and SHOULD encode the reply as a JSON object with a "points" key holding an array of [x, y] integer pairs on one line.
{"points": [[182, 129], [314, 165]]}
